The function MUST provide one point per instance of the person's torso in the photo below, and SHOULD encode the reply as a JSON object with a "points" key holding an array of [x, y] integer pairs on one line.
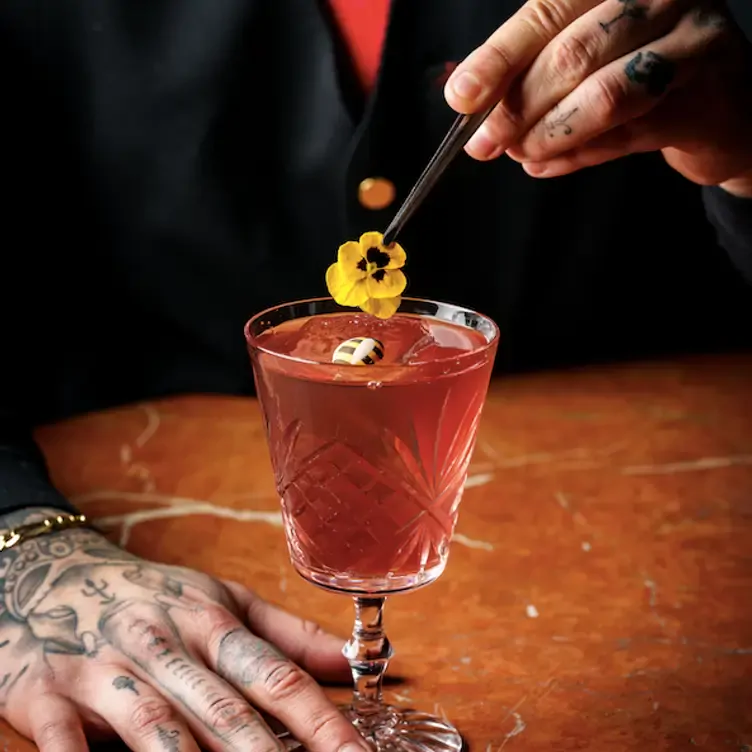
{"points": [[178, 166]]}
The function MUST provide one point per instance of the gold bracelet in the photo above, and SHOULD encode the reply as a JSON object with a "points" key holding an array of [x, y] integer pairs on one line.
{"points": [[22, 533]]}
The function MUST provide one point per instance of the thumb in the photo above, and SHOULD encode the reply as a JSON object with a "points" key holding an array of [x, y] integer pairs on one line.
{"points": [[316, 651]]}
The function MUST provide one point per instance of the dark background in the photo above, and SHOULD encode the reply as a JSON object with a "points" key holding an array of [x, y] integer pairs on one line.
{"points": [[742, 9]]}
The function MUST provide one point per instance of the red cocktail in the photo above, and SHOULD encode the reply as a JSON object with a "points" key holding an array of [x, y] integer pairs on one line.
{"points": [[370, 459]]}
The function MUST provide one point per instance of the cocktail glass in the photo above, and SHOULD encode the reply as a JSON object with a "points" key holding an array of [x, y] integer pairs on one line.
{"points": [[370, 463]]}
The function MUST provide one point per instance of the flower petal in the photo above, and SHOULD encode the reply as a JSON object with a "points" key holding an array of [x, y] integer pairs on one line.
{"points": [[386, 284], [334, 281], [345, 292], [382, 308], [357, 295], [397, 256], [371, 240], [349, 256], [395, 251]]}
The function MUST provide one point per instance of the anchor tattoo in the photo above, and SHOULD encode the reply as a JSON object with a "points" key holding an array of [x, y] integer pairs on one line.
{"points": [[632, 9], [95, 590]]}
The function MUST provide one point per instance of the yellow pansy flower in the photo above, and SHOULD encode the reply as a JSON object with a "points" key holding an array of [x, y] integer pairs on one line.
{"points": [[368, 275]]}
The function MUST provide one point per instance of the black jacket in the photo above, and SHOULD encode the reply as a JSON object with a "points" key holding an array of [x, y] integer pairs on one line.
{"points": [[171, 168]]}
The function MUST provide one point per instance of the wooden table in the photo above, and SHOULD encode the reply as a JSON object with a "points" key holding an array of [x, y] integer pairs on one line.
{"points": [[599, 591]]}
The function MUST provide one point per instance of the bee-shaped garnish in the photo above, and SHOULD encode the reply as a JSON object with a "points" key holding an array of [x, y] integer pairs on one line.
{"points": [[359, 351]]}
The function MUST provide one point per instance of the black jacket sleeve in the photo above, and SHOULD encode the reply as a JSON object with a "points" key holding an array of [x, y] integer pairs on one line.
{"points": [[27, 376], [732, 218], [24, 481], [28, 200]]}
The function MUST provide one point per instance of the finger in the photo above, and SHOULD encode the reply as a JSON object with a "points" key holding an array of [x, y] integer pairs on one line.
{"points": [[177, 586], [219, 717], [55, 725], [137, 713], [622, 91], [602, 35], [610, 146], [487, 73], [283, 689], [303, 641]]}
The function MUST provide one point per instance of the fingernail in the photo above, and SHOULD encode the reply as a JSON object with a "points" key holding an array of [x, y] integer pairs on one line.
{"points": [[467, 86], [535, 169], [482, 146]]}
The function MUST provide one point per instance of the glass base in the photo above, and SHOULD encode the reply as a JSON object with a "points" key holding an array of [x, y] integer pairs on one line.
{"points": [[390, 584], [396, 729]]}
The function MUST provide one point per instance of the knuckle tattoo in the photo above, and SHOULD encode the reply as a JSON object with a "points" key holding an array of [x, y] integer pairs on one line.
{"points": [[186, 672], [652, 71], [151, 638], [169, 739], [242, 658], [708, 17], [559, 122], [630, 10], [126, 683]]}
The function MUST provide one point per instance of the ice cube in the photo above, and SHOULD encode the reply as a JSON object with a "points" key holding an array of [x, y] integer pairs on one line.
{"points": [[399, 335], [451, 336], [413, 353], [320, 335], [442, 340]]}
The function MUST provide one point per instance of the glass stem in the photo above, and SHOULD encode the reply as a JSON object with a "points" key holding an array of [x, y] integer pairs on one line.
{"points": [[368, 652]]}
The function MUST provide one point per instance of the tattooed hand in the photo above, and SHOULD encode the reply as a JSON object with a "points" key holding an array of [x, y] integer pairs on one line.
{"points": [[94, 640], [583, 82]]}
